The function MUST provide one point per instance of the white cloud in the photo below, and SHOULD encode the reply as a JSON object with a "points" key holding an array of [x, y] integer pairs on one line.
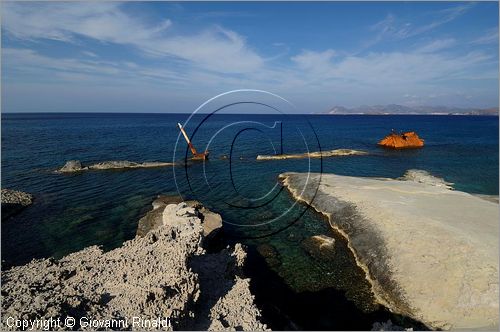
{"points": [[311, 60], [57, 21], [405, 67], [437, 45], [312, 76], [217, 59], [50, 69], [216, 49]]}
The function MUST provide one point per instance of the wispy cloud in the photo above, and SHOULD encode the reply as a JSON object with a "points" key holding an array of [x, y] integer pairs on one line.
{"points": [[310, 60], [90, 54], [437, 45], [444, 16], [490, 37], [215, 58], [394, 28], [395, 68], [214, 48], [29, 62]]}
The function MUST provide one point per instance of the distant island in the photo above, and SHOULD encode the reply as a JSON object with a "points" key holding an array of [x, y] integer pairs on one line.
{"points": [[418, 110]]}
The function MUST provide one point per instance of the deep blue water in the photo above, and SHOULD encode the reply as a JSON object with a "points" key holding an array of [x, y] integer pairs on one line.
{"points": [[103, 207], [73, 211]]}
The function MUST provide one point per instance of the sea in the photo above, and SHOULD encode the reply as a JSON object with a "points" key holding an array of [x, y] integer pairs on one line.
{"points": [[295, 287]]}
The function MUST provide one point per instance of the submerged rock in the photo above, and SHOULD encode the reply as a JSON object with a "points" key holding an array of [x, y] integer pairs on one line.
{"points": [[162, 200], [14, 201], [388, 326], [76, 166], [319, 154], [430, 253], [270, 254], [165, 274], [320, 246]]}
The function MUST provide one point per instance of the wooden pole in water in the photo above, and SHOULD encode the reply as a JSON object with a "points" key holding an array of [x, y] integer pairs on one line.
{"points": [[193, 150]]}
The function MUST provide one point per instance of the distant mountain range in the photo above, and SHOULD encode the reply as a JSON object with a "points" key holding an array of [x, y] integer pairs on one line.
{"points": [[400, 109]]}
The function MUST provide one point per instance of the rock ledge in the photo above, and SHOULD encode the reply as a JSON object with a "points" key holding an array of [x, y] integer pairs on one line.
{"points": [[72, 166]]}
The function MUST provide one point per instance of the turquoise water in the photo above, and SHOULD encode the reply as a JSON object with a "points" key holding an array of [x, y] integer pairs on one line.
{"points": [[72, 211]]}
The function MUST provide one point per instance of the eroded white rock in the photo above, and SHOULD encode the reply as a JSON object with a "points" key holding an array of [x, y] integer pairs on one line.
{"points": [[431, 253]]}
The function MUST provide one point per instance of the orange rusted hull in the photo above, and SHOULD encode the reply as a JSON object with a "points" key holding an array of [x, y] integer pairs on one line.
{"points": [[402, 141], [200, 156]]}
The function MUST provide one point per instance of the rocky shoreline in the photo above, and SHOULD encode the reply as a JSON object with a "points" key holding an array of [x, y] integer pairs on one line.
{"points": [[165, 272], [430, 253], [14, 201], [73, 166]]}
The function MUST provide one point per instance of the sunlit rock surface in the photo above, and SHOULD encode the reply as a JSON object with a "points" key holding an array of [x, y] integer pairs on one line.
{"points": [[431, 253], [160, 215]]}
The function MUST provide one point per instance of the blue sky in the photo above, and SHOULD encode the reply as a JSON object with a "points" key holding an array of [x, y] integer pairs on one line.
{"points": [[171, 57]]}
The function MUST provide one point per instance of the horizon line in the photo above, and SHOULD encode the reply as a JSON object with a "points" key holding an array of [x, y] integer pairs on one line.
{"points": [[201, 113]]}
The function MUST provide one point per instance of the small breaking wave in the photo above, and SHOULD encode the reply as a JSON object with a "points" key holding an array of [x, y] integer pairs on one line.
{"points": [[421, 176]]}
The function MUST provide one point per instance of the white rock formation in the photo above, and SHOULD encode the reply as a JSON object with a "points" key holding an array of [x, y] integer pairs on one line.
{"points": [[431, 253]]}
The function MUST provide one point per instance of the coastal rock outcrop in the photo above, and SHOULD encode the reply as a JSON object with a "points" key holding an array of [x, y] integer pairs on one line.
{"points": [[430, 253], [318, 154], [14, 201], [211, 221], [72, 166], [166, 274]]}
